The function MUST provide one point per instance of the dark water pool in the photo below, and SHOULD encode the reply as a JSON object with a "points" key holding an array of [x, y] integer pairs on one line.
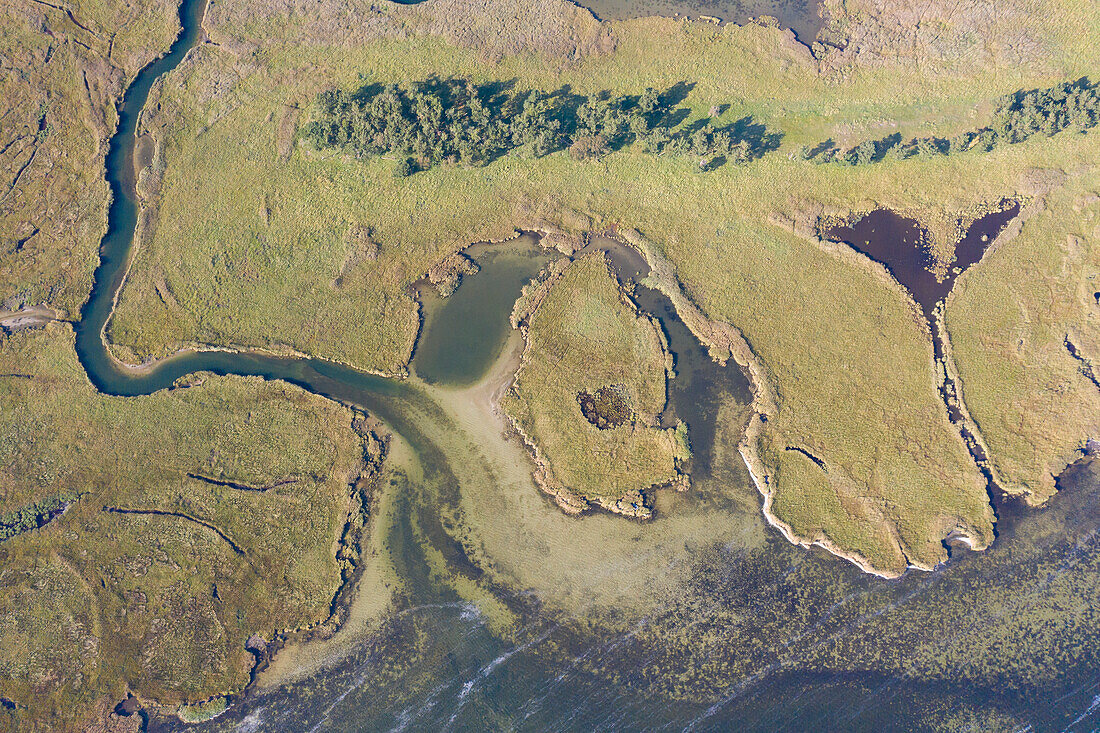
{"points": [[801, 16], [901, 244], [461, 340]]}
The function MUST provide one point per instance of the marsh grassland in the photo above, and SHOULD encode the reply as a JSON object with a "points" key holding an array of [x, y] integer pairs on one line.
{"points": [[1026, 335], [192, 519], [63, 72], [143, 540], [250, 241]]}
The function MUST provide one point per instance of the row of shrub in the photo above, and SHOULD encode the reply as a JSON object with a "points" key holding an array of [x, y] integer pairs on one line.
{"points": [[456, 121], [1016, 117]]}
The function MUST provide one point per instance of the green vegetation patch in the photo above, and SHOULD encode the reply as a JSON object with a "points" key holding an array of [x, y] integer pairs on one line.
{"points": [[1016, 117], [154, 579], [33, 516], [457, 121], [203, 711], [583, 336], [1025, 328]]}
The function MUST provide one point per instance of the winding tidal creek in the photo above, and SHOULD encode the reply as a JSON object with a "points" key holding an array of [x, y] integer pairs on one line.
{"points": [[497, 612]]}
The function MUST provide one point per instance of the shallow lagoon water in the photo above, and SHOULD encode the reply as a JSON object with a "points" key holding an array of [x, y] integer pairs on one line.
{"points": [[460, 341], [703, 619], [728, 625]]}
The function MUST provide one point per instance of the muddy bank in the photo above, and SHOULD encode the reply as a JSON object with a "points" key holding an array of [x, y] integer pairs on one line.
{"points": [[25, 318]]}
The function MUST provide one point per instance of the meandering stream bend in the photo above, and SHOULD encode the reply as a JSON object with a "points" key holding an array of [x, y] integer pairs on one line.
{"points": [[436, 664]]}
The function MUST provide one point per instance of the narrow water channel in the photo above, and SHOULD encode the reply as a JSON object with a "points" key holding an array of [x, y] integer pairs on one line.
{"points": [[703, 619]]}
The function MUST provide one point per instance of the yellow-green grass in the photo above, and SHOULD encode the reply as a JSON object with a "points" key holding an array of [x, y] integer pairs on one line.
{"points": [[96, 602], [250, 236], [1009, 320], [52, 218], [584, 336]]}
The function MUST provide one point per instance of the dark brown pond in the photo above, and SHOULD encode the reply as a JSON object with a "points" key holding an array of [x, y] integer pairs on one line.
{"points": [[900, 244]]}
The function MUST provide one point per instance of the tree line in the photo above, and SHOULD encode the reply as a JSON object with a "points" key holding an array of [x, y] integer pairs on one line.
{"points": [[455, 121], [1016, 117]]}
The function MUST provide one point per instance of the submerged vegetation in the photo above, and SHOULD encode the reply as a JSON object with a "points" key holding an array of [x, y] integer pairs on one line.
{"points": [[457, 121]]}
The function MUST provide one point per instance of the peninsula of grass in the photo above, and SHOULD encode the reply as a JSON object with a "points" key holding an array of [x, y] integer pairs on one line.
{"points": [[586, 340], [148, 538], [1025, 331]]}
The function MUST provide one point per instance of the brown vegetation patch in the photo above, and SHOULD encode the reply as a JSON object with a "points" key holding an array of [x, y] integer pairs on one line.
{"points": [[964, 36], [607, 407], [447, 274], [288, 125]]}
